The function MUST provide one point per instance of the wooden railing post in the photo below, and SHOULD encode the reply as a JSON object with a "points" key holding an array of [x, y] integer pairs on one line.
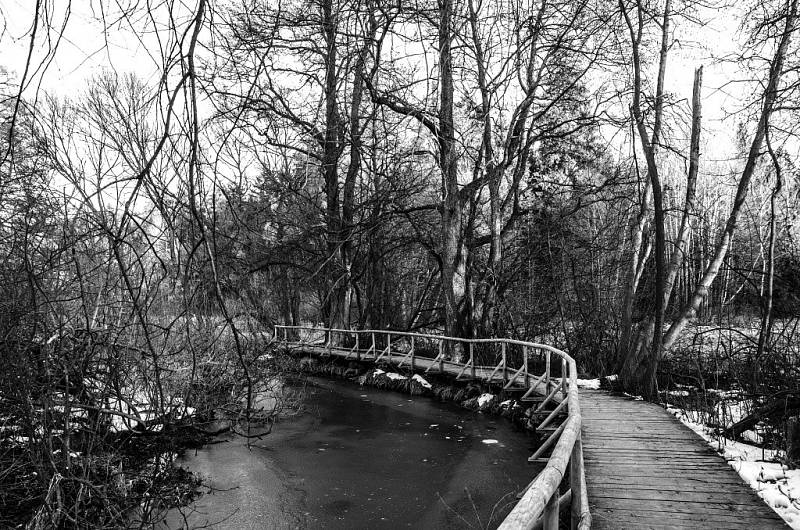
{"points": [[389, 346], [330, 341], [441, 355], [358, 347], [505, 362], [564, 378], [576, 478], [547, 371], [472, 360], [413, 367], [550, 514], [374, 349], [525, 364]]}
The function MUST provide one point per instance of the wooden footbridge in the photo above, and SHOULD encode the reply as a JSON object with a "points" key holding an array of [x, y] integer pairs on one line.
{"points": [[615, 461]]}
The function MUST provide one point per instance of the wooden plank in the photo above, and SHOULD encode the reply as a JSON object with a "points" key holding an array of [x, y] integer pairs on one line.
{"points": [[599, 453], [670, 485], [702, 518], [697, 516], [623, 449], [680, 475], [614, 520], [654, 455], [644, 477], [674, 495]]}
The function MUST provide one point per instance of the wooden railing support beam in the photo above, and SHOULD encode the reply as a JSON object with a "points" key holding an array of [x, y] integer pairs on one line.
{"points": [[550, 521], [580, 518], [472, 360]]}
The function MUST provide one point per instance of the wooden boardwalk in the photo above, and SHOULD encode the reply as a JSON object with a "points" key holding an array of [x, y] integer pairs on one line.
{"points": [[645, 469]]}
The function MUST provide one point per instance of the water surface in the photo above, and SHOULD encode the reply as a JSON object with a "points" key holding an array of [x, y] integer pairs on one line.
{"points": [[365, 458]]}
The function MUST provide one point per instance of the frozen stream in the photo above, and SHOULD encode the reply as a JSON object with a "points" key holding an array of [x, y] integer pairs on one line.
{"points": [[365, 458]]}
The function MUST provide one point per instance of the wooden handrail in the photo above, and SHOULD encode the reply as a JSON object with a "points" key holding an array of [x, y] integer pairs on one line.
{"points": [[539, 504]]}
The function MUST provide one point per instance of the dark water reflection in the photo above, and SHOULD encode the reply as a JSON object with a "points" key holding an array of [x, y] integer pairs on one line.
{"points": [[364, 458]]}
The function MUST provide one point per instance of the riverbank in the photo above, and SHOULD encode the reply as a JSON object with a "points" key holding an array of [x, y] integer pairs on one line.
{"points": [[473, 396]]}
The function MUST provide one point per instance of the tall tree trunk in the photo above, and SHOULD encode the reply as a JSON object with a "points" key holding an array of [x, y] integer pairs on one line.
{"points": [[494, 175], [453, 266], [353, 170], [682, 239], [334, 311], [640, 254], [769, 280]]}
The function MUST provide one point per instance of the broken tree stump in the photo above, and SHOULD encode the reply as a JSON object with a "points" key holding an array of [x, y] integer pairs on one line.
{"points": [[793, 442]]}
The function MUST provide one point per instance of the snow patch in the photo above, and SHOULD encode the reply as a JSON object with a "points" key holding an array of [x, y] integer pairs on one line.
{"points": [[396, 377], [678, 393], [421, 380], [484, 399], [752, 436], [489, 442], [759, 468], [592, 384], [724, 393]]}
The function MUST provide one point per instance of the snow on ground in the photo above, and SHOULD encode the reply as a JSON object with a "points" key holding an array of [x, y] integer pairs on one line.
{"points": [[484, 399], [390, 375], [421, 380], [594, 384], [776, 485], [724, 393], [678, 393]]}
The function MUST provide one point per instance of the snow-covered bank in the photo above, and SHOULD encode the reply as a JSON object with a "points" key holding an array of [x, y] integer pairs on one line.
{"points": [[470, 396], [760, 468]]}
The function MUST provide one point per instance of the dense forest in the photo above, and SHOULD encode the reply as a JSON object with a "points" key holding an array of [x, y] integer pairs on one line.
{"points": [[556, 171]]}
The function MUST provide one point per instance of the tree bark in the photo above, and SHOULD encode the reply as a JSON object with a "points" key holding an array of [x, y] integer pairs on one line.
{"points": [[453, 266], [793, 442], [336, 302], [769, 280], [678, 254], [781, 405]]}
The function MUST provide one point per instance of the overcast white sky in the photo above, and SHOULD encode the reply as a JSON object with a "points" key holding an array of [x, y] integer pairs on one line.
{"points": [[87, 47]]}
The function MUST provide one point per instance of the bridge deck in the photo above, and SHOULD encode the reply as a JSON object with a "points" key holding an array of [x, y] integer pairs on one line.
{"points": [[645, 469]]}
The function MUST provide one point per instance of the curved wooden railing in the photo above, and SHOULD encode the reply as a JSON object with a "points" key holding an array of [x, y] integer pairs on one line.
{"points": [[539, 505]]}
